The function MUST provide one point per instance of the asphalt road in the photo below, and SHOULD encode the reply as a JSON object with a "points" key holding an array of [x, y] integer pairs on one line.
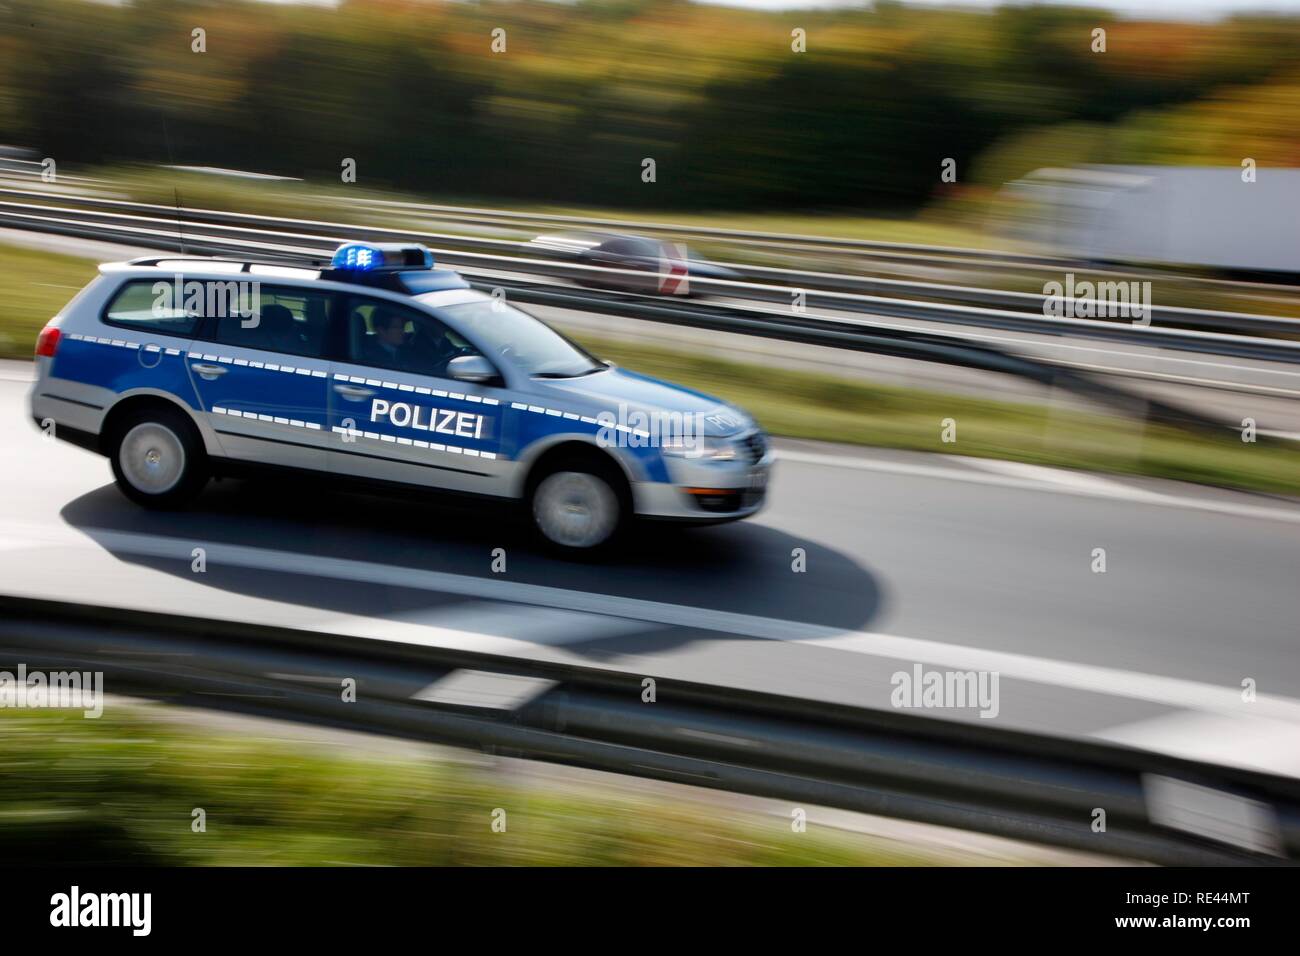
{"points": [[936, 561]]}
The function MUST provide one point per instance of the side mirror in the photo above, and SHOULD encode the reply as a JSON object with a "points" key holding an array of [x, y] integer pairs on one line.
{"points": [[471, 368]]}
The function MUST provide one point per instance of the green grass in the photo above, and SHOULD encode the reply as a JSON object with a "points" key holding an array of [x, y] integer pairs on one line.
{"points": [[812, 405], [121, 789], [312, 200], [35, 285]]}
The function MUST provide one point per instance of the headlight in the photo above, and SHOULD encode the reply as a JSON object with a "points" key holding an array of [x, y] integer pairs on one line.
{"points": [[704, 449]]}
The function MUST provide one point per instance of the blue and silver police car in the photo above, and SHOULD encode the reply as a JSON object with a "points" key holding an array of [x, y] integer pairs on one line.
{"points": [[382, 368]]}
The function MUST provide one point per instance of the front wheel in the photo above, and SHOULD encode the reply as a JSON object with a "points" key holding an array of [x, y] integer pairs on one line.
{"points": [[576, 511], [158, 459]]}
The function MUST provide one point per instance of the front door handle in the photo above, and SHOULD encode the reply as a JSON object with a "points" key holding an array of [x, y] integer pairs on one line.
{"points": [[353, 392], [209, 371]]}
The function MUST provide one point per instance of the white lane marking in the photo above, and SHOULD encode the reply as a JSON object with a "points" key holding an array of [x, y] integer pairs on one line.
{"points": [[484, 689], [1236, 741], [1108, 681], [1113, 490], [541, 625], [1083, 480]]}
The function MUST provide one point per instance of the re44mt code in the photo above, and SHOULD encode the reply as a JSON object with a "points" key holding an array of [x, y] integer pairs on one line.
{"points": [[1200, 898]]}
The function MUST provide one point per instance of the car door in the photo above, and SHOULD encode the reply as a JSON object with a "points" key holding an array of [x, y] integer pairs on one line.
{"points": [[395, 415], [263, 379]]}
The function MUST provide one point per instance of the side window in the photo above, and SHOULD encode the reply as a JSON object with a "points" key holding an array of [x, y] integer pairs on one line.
{"points": [[385, 335], [151, 306], [284, 319], [619, 247]]}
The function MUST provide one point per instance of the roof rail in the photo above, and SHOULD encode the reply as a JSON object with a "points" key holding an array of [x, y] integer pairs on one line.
{"points": [[301, 262]]}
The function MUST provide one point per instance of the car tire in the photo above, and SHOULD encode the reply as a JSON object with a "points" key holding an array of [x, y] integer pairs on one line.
{"points": [[158, 458], [577, 508]]}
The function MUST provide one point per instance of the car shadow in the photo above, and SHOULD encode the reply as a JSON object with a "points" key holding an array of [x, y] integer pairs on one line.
{"points": [[743, 568]]}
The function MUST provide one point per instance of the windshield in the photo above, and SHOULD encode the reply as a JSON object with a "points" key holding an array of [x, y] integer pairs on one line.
{"points": [[502, 331]]}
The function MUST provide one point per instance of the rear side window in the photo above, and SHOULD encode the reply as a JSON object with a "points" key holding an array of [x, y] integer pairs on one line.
{"points": [[282, 319], [139, 305]]}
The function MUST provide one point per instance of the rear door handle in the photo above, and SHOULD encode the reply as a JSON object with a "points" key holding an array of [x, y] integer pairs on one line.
{"points": [[353, 392], [209, 371]]}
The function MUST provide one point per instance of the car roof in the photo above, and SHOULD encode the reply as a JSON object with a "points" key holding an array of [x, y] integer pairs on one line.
{"points": [[448, 297], [204, 268]]}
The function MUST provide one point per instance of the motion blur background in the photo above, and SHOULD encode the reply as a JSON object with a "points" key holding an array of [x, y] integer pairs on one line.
{"points": [[586, 90], [978, 548]]}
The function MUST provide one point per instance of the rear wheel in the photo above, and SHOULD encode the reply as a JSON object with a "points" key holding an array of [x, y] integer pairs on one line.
{"points": [[158, 458], [576, 509]]}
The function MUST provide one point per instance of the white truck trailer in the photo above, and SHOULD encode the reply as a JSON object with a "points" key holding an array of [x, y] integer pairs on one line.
{"points": [[1209, 217]]}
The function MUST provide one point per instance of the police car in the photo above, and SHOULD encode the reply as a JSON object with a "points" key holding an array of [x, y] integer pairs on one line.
{"points": [[383, 368]]}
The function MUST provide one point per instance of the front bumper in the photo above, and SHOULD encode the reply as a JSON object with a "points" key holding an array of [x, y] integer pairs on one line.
{"points": [[709, 492]]}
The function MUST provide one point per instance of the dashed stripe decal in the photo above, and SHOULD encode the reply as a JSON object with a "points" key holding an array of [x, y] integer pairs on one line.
{"points": [[203, 356], [586, 420], [417, 389], [415, 443], [377, 383], [275, 419]]}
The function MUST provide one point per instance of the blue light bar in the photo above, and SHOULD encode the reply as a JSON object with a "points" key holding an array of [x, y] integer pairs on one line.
{"points": [[377, 256]]}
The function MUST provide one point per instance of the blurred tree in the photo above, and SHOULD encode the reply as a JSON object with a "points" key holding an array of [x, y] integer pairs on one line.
{"points": [[733, 117]]}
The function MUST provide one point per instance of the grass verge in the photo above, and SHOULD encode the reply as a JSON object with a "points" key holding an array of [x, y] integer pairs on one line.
{"points": [[812, 405], [34, 285], [306, 200], [122, 789]]}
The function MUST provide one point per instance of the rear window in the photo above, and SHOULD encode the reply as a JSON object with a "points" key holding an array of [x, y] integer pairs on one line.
{"points": [[290, 320], [151, 306]]}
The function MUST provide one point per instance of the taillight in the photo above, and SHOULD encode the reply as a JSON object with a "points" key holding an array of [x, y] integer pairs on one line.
{"points": [[48, 341]]}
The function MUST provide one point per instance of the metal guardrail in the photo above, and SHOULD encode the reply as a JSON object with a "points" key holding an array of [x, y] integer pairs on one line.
{"points": [[994, 260], [962, 775], [835, 333], [963, 305], [900, 343]]}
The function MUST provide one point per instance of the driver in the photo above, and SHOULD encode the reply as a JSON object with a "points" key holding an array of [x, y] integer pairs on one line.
{"points": [[431, 348], [387, 347]]}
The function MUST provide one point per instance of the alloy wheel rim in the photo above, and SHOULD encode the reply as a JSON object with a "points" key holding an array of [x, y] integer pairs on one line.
{"points": [[575, 509], [152, 458]]}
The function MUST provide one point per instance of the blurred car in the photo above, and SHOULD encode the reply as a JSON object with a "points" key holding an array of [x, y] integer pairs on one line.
{"points": [[665, 268]]}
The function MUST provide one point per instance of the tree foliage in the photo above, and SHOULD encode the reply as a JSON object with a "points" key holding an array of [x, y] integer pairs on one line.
{"points": [[583, 93]]}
